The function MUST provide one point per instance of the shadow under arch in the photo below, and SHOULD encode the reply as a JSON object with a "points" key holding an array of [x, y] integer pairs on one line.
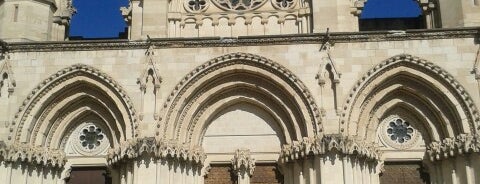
{"points": [[424, 88], [236, 78], [79, 90]]}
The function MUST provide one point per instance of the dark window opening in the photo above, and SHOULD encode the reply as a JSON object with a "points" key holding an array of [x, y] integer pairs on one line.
{"points": [[391, 15], [404, 173], [98, 20], [90, 175]]}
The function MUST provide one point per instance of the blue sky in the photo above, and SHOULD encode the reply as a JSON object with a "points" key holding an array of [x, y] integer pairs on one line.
{"points": [[390, 9], [97, 18], [102, 18]]}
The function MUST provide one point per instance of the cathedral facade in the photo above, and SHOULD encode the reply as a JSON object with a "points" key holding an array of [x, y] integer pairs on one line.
{"points": [[282, 91]]}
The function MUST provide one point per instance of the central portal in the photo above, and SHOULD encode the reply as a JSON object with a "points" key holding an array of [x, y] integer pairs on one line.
{"points": [[243, 126]]}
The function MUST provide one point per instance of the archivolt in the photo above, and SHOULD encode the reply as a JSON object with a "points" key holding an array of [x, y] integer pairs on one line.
{"points": [[410, 83], [46, 116], [236, 78]]}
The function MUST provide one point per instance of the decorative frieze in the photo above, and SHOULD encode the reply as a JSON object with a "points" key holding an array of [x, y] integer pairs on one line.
{"points": [[32, 154], [310, 146], [453, 147], [160, 43], [159, 148]]}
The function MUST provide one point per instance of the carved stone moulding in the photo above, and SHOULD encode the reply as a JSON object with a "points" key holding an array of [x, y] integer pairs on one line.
{"points": [[453, 147], [281, 15], [33, 155], [158, 148], [310, 146]]}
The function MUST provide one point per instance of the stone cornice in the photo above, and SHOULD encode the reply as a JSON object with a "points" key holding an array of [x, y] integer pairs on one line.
{"points": [[327, 144], [33, 154], [158, 148], [453, 147], [316, 38]]}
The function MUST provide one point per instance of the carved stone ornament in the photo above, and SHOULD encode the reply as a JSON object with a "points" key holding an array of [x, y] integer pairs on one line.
{"points": [[284, 4], [452, 147], [243, 163], [398, 133], [329, 143], [36, 155], [239, 5], [196, 6], [7, 81], [160, 148]]}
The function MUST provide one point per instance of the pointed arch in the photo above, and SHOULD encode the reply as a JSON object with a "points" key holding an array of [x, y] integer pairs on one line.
{"points": [[239, 78], [420, 87], [55, 106]]}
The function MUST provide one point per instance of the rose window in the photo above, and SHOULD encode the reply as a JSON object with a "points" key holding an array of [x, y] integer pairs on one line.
{"points": [[239, 5], [283, 4], [196, 5], [400, 131], [91, 137]]}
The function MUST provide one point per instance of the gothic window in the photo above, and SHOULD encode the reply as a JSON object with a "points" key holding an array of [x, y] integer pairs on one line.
{"points": [[283, 4], [196, 5], [387, 15], [97, 20], [239, 5]]}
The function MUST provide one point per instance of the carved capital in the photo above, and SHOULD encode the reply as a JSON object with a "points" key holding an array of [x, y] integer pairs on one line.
{"points": [[41, 156], [327, 144], [159, 148], [453, 147]]}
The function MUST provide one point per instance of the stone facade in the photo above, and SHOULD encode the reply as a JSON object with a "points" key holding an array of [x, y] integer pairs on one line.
{"points": [[240, 93]]}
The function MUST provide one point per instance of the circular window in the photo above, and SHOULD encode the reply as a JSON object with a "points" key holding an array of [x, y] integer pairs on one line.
{"points": [[398, 132], [239, 5], [89, 139]]}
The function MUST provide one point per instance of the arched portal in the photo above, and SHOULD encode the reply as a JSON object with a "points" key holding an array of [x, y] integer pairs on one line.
{"points": [[408, 106], [240, 101], [235, 78], [79, 112]]}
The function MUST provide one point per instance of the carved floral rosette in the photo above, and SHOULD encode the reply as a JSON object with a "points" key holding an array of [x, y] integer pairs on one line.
{"points": [[159, 148], [326, 144], [42, 156], [455, 146], [243, 162]]}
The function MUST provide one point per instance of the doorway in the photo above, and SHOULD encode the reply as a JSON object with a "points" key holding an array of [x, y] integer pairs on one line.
{"points": [[89, 175]]}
